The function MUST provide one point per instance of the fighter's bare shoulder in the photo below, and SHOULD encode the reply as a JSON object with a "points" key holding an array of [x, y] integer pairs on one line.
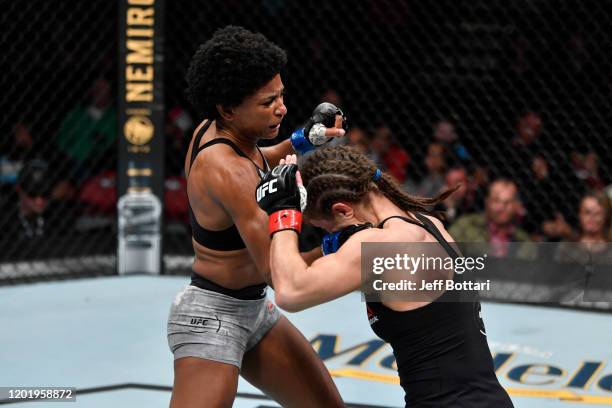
{"points": [[219, 168]]}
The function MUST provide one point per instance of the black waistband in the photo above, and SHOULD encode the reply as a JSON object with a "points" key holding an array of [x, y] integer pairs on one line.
{"points": [[249, 293]]}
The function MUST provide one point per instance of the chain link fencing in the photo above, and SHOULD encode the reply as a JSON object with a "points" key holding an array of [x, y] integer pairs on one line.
{"points": [[58, 138], [438, 93], [462, 90]]}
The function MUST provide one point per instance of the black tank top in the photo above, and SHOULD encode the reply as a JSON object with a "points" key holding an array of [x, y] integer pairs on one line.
{"points": [[441, 350], [228, 239]]}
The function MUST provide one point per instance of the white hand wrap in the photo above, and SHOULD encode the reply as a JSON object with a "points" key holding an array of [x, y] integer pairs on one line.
{"points": [[303, 197], [317, 134]]}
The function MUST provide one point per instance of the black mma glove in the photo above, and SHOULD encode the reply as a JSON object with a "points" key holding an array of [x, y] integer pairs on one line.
{"points": [[313, 133], [279, 195]]}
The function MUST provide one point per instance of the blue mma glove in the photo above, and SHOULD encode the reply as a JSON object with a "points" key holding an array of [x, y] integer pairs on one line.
{"points": [[332, 241]]}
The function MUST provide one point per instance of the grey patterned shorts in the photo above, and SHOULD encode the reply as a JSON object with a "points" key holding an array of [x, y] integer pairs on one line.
{"points": [[217, 327]]}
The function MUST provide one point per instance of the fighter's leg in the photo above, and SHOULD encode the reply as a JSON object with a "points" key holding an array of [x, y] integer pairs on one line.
{"points": [[200, 383], [284, 365]]}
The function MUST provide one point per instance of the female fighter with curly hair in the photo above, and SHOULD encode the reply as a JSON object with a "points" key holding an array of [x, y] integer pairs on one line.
{"points": [[221, 325]]}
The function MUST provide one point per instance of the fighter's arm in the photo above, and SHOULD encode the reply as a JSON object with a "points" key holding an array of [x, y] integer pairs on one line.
{"points": [[231, 181], [312, 255], [279, 151], [298, 286], [274, 153]]}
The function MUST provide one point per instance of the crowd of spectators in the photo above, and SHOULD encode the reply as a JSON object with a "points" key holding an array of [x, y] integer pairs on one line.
{"points": [[61, 183], [518, 191], [522, 189], [525, 189]]}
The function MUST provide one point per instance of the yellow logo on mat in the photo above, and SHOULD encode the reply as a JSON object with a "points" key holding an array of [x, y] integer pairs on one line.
{"points": [[535, 379], [562, 395]]}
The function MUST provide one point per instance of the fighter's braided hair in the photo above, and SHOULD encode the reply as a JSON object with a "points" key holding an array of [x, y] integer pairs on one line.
{"points": [[343, 173]]}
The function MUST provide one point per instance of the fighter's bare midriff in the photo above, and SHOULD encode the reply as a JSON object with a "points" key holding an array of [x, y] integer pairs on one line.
{"points": [[230, 269]]}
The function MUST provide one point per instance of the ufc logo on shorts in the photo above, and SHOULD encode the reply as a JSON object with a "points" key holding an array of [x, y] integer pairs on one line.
{"points": [[268, 186]]}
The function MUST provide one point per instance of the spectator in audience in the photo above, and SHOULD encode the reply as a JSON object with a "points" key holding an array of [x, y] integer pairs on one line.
{"points": [[586, 169], [87, 135], [14, 151], [511, 158], [461, 201], [378, 146], [608, 192], [497, 225], [445, 134], [528, 130], [356, 137], [178, 128], [595, 218], [594, 233], [435, 164], [541, 197], [33, 214], [523, 147], [387, 153], [479, 184]]}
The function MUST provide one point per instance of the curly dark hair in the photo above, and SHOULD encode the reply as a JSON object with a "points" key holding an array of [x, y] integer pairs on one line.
{"points": [[343, 173], [231, 66]]}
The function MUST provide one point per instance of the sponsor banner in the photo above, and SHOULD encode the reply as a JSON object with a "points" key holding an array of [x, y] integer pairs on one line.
{"points": [[523, 370], [141, 136]]}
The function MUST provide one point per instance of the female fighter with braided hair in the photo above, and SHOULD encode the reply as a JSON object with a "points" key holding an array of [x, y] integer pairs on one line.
{"points": [[221, 325], [440, 346]]}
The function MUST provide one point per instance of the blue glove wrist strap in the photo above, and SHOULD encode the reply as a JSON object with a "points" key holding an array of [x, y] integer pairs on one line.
{"points": [[330, 243], [300, 143]]}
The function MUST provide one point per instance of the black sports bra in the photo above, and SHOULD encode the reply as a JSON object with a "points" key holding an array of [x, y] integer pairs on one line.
{"points": [[429, 227], [228, 239]]}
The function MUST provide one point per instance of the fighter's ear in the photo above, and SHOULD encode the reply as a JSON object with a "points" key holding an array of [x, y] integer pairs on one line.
{"points": [[343, 210], [225, 112]]}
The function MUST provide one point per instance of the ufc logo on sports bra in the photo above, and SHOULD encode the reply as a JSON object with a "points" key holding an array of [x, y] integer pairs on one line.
{"points": [[267, 187]]}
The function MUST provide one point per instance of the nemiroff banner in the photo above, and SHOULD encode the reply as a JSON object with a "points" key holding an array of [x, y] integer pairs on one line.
{"points": [[141, 110]]}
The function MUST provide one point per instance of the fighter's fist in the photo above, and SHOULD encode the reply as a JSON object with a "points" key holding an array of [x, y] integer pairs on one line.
{"points": [[327, 121], [280, 196]]}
